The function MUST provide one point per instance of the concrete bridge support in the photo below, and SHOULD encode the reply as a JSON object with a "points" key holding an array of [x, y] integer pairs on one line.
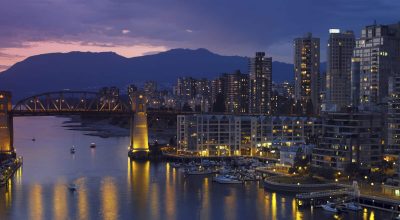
{"points": [[6, 126], [139, 148]]}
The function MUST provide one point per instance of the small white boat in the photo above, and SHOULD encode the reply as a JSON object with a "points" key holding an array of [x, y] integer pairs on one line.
{"points": [[330, 207], [72, 187], [397, 218], [352, 206], [73, 150], [200, 171], [93, 145], [227, 179]]}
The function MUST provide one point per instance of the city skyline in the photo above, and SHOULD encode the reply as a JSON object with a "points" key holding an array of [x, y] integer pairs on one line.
{"points": [[126, 28]]}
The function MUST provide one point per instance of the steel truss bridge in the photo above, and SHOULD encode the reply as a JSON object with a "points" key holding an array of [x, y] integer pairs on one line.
{"points": [[79, 102], [70, 102]]}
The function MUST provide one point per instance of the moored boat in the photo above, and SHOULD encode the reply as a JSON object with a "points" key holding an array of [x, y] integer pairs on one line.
{"points": [[330, 207], [199, 171], [92, 145], [73, 150], [227, 179], [352, 206]]}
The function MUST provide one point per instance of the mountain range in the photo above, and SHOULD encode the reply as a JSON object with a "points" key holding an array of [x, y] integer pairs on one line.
{"points": [[91, 71]]}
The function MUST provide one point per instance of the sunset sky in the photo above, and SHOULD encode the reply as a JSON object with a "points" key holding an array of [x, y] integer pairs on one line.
{"points": [[132, 28]]}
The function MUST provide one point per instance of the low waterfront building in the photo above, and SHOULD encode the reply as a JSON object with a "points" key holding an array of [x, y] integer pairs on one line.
{"points": [[350, 137], [262, 135], [287, 155]]}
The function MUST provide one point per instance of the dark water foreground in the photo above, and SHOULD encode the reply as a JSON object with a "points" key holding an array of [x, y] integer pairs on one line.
{"points": [[112, 187]]}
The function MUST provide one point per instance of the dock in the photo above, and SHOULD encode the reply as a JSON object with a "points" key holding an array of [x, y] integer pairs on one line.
{"points": [[8, 171]]}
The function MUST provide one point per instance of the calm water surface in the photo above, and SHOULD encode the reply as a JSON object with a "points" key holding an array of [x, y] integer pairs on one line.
{"points": [[112, 187]]}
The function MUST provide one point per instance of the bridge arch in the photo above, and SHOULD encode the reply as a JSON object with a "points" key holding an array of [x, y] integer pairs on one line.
{"points": [[75, 102], [65, 102]]}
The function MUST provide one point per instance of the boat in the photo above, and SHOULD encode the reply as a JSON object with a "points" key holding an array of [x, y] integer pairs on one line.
{"points": [[199, 171], [330, 207], [93, 145], [398, 217], [73, 150], [224, 170], [72, 187], [33, 139], [352, 206], [227, 179]]}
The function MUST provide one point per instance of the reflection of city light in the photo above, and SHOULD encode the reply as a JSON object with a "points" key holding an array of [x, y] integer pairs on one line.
{"points": [[109, 199], [273, 206], [60, 201], [83, 204], [36, 202]]}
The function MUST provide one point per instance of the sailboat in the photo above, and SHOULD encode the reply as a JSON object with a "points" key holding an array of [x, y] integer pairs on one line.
{"points": [[73, 150]]}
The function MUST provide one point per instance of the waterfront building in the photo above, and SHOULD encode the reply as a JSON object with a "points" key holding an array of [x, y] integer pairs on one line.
{"points": [[378, 51], [349, 137], [260, 84], [338, 75], [209, 134], [288, 154], [306, 68], [237, 92], [393, 119]]}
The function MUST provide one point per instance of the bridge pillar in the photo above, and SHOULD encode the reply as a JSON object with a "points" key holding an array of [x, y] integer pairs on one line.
{"points": [[6, 126], [139, 148]]}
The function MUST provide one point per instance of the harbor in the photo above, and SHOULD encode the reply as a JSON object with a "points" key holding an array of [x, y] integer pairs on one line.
{"points": [[8, 168], [314, 193]]}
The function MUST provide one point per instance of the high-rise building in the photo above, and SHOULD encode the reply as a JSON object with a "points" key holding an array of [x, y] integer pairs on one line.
{"points": [[393, 118], [378, 50], [186, 87], [202, 87], [237, 94], [150, 88], [338, 75], [260, 84], [355, 82], [218, 89], [306, 68]]}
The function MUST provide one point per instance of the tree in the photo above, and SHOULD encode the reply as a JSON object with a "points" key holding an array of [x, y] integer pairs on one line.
{"points": [[325, 172], [352, 169]]}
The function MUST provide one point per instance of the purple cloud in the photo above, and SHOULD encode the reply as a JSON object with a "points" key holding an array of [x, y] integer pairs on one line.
{"points": [[228, 27]]}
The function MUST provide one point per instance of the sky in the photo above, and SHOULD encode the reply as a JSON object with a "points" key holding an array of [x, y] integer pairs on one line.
{"points": [[138, 27]]}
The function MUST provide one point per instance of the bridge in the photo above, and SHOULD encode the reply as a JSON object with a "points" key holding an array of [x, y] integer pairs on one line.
{"points": [[105, 103]]}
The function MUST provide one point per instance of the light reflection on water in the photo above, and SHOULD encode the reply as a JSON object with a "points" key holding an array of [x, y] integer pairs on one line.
{"points": [[110, 186]]}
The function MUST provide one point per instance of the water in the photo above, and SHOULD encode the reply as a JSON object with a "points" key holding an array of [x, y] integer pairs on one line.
{"points": [[112, 187]]}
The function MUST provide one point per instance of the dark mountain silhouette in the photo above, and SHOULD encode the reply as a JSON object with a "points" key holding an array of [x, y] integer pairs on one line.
{"points": [[91, 71]]}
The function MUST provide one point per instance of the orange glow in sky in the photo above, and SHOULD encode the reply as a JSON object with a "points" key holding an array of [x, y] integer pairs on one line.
{"points": [[9, 56]]}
